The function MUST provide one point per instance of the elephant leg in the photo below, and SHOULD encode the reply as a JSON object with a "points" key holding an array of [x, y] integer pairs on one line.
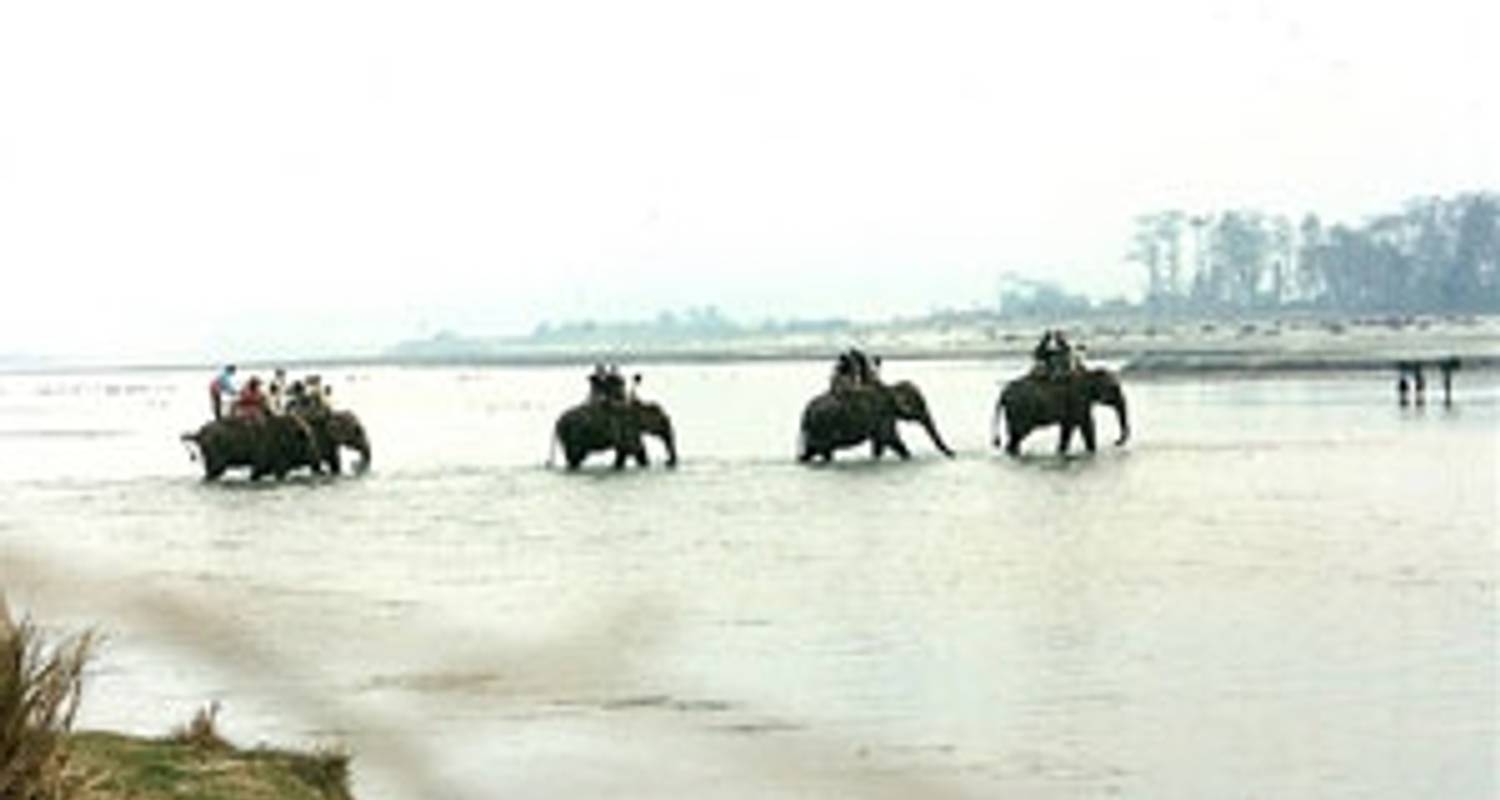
{"points": [[620, 457], [877, 448], [827, 455], [335, 461], [900, 448], [1064, 438], [641, 459], [1087, 429]]}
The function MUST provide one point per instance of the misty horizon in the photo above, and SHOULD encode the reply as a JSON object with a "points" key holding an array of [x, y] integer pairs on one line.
{"points": [[337, 178]]}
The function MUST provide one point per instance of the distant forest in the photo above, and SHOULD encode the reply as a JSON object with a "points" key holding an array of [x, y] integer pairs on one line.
{"points": [[1435, 255]]}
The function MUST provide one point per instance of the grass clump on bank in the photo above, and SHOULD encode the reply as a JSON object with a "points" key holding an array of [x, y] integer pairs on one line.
{"points": [[40, 687], [41, 758], [111, 766]]}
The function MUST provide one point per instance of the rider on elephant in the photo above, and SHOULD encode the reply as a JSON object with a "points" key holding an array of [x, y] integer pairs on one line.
{"points": [[251, 403], [1054, 356], [221, 390], [607, 385], [854, 369]]}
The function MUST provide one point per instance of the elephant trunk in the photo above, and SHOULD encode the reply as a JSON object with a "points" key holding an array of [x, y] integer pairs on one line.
{"points": [[937, 438], [670, 442], [1124, 421]]}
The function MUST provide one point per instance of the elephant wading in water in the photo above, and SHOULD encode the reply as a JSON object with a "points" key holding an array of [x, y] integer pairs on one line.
{"points": [[274, 446], [850, 415], [1039, 400], [335, 430], [613, 425]]}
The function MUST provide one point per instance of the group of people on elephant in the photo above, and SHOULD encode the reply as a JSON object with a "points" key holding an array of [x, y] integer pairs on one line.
{"points": [[275, 428], [854, 369], [256, 400]]}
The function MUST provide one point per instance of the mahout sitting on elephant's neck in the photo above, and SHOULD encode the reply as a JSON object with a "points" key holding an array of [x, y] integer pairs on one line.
{"points": [[853, 369], [606, 384]]}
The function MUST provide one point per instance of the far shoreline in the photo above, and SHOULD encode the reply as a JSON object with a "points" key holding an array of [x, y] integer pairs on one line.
{"points": [[1137, 347]]}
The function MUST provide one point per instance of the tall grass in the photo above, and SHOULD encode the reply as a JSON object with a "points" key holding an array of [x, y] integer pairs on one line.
{"points": [[40, 686]]}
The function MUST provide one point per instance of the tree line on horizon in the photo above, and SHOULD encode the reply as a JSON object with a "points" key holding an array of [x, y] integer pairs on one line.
{"points": [[1434, 255]]}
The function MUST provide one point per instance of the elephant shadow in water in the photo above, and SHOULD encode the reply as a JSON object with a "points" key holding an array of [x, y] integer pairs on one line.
{"points": [[1037, 401], [849, 416], [604, 425]]}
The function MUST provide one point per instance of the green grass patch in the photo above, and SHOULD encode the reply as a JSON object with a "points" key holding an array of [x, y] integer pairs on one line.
{"points": [[111, 766]]}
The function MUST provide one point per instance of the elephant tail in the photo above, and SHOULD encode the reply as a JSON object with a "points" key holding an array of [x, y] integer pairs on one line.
{"points": [[552, 451], [188, 440], [995, 421]]}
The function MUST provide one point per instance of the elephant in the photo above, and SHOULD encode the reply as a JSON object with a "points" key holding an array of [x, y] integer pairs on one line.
{"points": [[335, 430], [1035, 401], [850, 415], [613, 425], [273, 445]]}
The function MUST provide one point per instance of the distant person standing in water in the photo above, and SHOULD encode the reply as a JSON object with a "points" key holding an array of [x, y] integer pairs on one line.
{"points": [[222, 388], [1448, 366]]}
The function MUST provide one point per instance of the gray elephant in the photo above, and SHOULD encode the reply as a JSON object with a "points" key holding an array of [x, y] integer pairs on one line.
{"points": [[1036, 401], [854, 414], [273, 446], [334, 431], [615, 425]]}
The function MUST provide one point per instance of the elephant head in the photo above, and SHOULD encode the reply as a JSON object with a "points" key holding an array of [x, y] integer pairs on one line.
{"points": [[912, 407], [650, 418], [333, 431], [1103, 388]]}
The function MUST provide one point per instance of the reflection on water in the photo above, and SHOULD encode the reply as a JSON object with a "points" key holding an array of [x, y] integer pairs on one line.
{"points": [[1281, 588]]}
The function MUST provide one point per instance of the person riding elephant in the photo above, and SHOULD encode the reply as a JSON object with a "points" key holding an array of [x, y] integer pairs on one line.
{"points": [[269, 446], [333, 431], [617, 425], [1034, 401], [851, 414]]}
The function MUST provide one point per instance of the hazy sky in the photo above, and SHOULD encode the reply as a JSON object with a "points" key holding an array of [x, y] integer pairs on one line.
{"points": [[204, 179]]}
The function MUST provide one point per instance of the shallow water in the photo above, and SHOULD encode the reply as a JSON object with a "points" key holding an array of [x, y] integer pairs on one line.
{"points": [[1282, 587]]}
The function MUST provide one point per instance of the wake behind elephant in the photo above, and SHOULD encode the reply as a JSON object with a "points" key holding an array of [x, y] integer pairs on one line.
{"points": [[613, 424], [1039, 399], [273, 446], [851, 414]]}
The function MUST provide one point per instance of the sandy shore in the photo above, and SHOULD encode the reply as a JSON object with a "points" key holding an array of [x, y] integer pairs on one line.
{"points": [[1144, 347]]}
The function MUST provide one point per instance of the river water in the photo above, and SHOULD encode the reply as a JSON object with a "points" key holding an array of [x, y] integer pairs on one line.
{"points": [[1282, 587]]}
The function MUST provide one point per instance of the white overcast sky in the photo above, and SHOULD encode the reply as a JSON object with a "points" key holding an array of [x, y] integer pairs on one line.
{"points": [[208, 179]]}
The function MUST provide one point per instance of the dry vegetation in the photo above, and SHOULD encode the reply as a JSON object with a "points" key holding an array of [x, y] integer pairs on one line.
{"points": [[39, 693], [41, 759]]}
